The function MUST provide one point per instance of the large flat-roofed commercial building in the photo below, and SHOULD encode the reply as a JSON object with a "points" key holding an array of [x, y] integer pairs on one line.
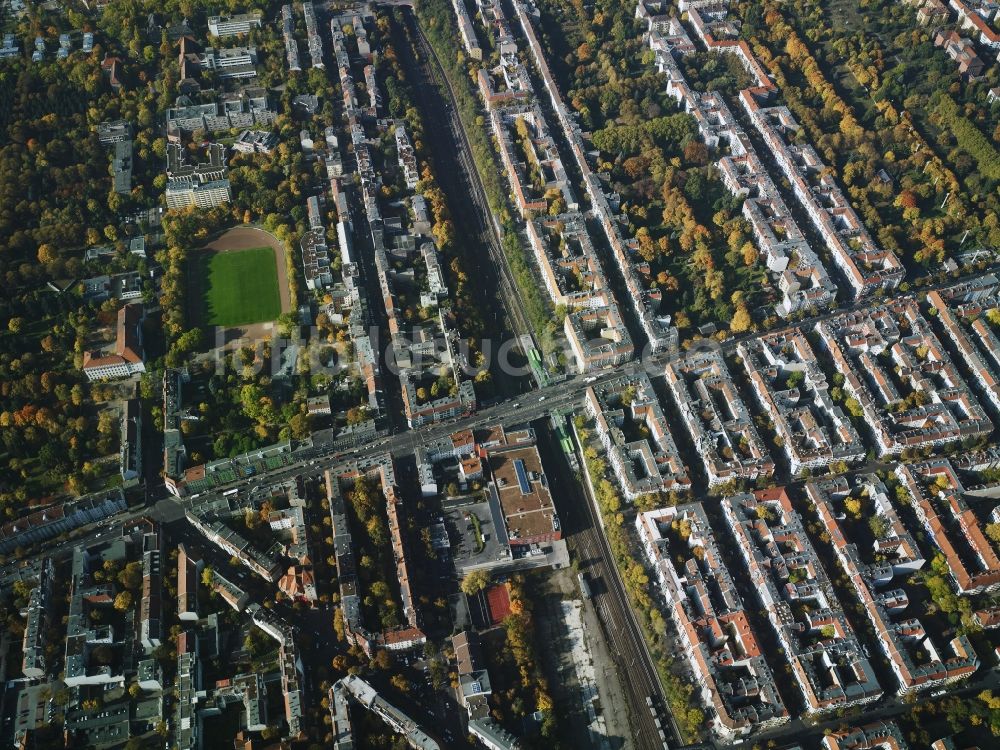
{"points": [[522, 491]]}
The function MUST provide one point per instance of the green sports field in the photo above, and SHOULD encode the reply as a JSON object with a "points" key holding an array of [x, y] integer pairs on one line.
{"points": [[239, 287]]}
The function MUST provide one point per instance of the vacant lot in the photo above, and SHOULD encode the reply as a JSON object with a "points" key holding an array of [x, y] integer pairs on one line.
{"points": [[239, 287]]}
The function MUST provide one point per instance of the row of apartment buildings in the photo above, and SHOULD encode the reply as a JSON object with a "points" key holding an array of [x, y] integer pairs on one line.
{"points": [[474, 690], [879, 571], [732, 675], [248, 107], [571, 272], [911, 393], [204, 184], [288, 36], [421, 351], [881, 557], [645, 299], [196, 701], [354, 689], [891, 368], [865, 267], [363, 634]]}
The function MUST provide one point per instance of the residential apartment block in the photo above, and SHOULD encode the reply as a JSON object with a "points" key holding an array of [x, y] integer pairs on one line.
{"points": [[249, 107], [290, 667], [313, 39], [189, 569], [288, 35], [792, 389], [718, 421], [474, 690], [932, 12], [566, 259], [882, 735], [965, 314], [204, 184], [121, 167], [827, 658], [634, 432], [406, 156], [466, 30], [228, 590], [9, 47], [961, 50], [316, 266], [150, 541], [33, 662], [645, 298], [865, 266], [940, 505], [263, 563], [130, 453], [598, 338], [354, 689], [731, 674], [894, 366], [186, 727], [530, 158], [357, 630], [255, 142], [506, 83], [979, 17], [48, 523], [798, 272], [174, 452], [878, 569]]}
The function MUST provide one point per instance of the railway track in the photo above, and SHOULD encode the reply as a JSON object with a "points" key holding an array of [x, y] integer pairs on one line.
{"points": [[489, 229], [635, 665]]}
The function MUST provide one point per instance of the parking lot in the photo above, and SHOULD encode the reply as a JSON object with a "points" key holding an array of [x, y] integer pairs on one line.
{"points": [[461, 519]]}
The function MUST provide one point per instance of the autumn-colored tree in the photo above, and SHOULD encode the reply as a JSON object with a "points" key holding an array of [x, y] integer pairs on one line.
{"points": [[474, 582]]}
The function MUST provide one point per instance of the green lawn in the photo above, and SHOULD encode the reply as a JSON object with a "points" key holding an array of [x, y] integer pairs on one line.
{"points": [[240, 287]]}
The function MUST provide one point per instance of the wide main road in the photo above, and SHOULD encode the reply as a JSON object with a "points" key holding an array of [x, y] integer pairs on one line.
{"points": [[567, 394]]}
